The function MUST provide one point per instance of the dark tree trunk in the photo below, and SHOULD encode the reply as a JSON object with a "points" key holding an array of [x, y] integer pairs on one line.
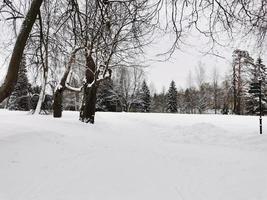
{"points": [[13, 67], [87, 112], [57, 105]]}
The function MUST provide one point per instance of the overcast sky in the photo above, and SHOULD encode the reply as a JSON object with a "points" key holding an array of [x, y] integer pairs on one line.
{"points": [[187, 59], [180, 65]]}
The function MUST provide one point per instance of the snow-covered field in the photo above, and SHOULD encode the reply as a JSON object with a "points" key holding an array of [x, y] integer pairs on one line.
{"points": [[131, 156]]}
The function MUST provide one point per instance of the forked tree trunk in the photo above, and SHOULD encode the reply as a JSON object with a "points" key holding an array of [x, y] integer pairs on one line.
{"points": [[87, 112], [13, 67]]}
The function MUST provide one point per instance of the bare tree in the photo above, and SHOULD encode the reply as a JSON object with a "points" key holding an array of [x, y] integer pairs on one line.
{"points": [[203, 93], [13, 67], [48, 44], [110, 33], [128, 85], [232, 18], [93, 27], [200, 74]]}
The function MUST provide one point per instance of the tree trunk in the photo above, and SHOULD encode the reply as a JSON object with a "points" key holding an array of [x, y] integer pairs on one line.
{"points": [[57, 105], [87, 112], [13, 67]]}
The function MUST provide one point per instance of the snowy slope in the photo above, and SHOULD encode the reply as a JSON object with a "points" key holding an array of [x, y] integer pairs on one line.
{"points": [[130, 156]]}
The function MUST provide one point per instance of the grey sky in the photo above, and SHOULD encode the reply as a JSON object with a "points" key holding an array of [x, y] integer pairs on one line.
{"points": [[185, 60], [179, 67]]}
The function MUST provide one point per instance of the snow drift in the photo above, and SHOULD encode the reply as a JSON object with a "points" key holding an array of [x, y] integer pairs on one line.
{"points": [[132, 156]]}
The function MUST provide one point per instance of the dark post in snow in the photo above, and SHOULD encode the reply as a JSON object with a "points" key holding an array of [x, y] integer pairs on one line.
{"points": [[255, 88]]}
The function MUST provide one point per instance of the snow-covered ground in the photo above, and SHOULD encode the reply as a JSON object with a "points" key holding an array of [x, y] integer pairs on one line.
{"points": [[131, 156]]}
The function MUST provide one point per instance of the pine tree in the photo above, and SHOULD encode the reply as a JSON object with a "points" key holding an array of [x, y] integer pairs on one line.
{"points": [[180, 101], [172, 98], [256, 72], [145, 98], [19, 99], [159, 102], [106, 99], [187, 101], [34, 93]]}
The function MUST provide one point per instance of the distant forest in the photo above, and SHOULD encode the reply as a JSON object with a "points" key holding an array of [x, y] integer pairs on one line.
{"points": [[128, 91]]}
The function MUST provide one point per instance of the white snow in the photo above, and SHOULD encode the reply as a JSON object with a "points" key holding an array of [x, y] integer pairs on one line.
{"points": [[131, 156], [58, 87]]}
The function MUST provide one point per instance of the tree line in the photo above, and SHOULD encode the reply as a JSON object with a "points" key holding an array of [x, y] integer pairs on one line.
{"points": [[220, 95], [128, 91]]}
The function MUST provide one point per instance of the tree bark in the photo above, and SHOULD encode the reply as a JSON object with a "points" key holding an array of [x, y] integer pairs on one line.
{"points": [[13, 67], [57, 105], [87, 112]]}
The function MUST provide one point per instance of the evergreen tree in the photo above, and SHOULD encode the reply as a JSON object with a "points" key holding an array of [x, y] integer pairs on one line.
{"points": [[19, 99], [181, 101], [172, 98], [34, 91], [256, 72], [145, 98], [187, 101], [159, 102], [106, 99]]}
